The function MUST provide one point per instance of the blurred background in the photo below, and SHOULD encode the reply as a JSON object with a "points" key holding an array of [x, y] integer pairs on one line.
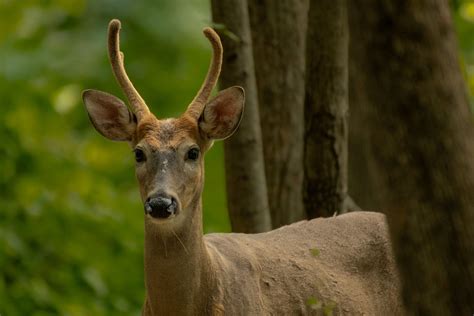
{"points": [[71, 223], [71, 220], [463, 15]]}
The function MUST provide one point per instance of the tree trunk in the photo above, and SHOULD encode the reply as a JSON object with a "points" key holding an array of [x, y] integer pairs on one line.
{"points": [[421, 139], [326, 108], [278, 33], [244, 164], [362, 179]]}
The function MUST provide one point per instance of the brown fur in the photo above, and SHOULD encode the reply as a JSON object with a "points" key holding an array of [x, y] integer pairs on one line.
{"points": [[346, 260], [272, 273]]}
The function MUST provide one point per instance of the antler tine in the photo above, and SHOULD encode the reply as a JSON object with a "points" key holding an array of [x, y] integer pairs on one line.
{"points": [[196, 106], [116, 57]]}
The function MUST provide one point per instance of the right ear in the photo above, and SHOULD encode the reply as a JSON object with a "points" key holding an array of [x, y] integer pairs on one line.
{"points": [[109, 115]]}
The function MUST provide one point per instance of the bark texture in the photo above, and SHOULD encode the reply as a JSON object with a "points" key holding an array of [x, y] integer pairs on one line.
{"points": [[326, 109], [362, 178], [278, 33], [245, 173], [421, 141]]}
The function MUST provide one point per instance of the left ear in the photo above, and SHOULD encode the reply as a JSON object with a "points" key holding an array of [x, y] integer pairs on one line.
{"points": [[221, 116]]}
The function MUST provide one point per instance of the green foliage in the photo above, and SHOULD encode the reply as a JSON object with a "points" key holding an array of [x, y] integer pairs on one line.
{"points": [[463, 15], [71, 220], [326, 309]]}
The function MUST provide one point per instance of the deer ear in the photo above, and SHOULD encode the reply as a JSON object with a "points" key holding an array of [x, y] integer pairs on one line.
{"points": [[109, 115], [221, 116]]}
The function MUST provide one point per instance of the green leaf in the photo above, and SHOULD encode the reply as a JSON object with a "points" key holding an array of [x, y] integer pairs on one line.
{"points": [[314, 303], [226, 32], [328, 308], [314, 252]]}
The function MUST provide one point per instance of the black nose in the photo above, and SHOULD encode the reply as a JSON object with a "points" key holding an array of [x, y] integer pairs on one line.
{"points": [[160, 206]]}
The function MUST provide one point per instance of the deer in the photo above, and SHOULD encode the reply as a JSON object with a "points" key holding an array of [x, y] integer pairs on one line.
{"points": [[343, 262]]}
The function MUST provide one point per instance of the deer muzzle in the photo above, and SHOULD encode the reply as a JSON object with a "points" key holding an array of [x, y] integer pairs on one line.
{"points": [[161, 206]]}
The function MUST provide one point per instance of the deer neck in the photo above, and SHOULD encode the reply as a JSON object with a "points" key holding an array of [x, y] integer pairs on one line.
{"points": [[177, 268]]}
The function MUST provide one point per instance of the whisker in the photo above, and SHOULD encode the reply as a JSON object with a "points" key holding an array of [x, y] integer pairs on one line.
{"points": [[185, 249]]}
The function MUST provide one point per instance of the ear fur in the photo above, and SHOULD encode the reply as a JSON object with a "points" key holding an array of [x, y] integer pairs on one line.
{"points": [[109, 115], [222, 115]]}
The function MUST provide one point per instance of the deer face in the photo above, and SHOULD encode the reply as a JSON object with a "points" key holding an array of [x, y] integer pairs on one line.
{"points": [[168, 153], [169, 165]]}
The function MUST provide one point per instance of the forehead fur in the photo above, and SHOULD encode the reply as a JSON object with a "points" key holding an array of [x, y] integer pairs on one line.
{"points": [[168, 132]]}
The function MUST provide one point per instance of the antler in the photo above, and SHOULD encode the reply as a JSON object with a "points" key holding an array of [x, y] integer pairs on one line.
{"points": [[116, 60], [199, 101]]}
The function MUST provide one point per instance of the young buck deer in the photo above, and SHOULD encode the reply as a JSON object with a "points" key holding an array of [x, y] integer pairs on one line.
{"points": [[344, 261]]}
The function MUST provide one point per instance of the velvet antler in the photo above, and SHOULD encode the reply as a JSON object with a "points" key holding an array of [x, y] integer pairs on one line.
{"points": [[116, 57], [197, 105]]}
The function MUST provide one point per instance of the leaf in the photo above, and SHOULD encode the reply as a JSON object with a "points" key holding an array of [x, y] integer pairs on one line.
{"points": [[226, 32], [329, 308], [314, 303], [314, 252]]}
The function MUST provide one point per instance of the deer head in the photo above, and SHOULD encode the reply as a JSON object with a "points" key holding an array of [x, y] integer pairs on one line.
{"points": [[169, 152]]}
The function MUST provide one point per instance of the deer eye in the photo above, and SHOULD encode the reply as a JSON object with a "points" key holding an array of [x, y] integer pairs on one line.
{"points": [[193, 154], [139, 155]]}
